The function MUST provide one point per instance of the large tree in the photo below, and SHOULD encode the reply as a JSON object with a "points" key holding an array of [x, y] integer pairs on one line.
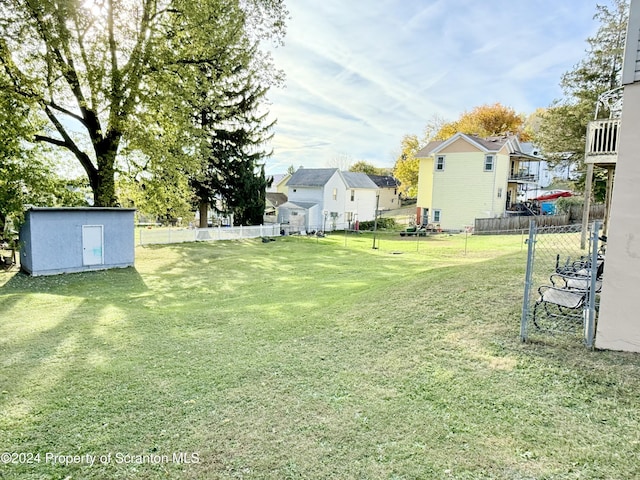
{"points": [[561, 129], [88, 65], [407, 166], [362, 166], [231, 121], [26, 174], [485, 121]]}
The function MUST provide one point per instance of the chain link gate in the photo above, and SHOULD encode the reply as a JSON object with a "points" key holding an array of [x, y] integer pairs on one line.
{"points": [[562, 282]]}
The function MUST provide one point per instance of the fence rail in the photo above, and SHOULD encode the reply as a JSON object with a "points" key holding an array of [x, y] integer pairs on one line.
{"points": [[517, 223], [563, 282], [156, 236], [521, 222]]}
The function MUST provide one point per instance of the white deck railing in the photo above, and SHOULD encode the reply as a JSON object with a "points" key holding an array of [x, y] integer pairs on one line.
{"points": [[603, 138]]}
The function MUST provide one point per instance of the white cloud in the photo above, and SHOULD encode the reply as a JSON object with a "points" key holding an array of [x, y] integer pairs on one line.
{"points": [[362, 74]]}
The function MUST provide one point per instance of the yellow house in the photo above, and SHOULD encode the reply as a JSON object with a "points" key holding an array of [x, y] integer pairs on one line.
{"points": [[279, 184], [468, 177]]}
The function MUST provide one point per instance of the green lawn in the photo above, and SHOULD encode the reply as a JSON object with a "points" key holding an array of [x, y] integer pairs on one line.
{"points": [[306, 358]]}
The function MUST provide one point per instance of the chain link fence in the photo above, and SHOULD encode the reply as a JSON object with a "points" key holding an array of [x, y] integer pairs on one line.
{"points": [[563, 281]]}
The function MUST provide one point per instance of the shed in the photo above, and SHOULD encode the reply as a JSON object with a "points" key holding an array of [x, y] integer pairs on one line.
{"points": [[66, 240]]}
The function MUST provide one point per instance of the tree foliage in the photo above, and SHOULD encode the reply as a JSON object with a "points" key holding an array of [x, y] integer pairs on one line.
{"points": [[362, 166], [485, 121], [90, 66], [26, 176], [561, 131], [407, 166], [235, 131]]}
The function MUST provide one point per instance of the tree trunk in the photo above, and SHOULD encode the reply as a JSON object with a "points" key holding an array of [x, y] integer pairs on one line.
{"points": [[103, 183], [204, 213]]}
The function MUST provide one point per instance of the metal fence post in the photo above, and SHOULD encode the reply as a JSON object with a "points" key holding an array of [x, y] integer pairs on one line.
{"points": [[590, 320], [528, 280]]}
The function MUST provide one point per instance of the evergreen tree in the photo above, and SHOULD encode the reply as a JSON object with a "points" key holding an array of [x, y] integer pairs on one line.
{"points": [[561, 129], [93, 65], [232, 178]]}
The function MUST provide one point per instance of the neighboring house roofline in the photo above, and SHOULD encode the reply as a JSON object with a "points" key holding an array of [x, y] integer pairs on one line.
{"points": [[469, 139], [301, 205], [487, 145], [275, 198], [355, 180], [311, 177], [384, 181]]}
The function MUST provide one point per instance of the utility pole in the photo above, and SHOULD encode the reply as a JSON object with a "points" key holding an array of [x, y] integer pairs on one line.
{"points": [[375, 220]]}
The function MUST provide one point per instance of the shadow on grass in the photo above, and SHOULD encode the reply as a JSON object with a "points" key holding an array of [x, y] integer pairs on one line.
{"points": [[76, 284], [313, 360]]}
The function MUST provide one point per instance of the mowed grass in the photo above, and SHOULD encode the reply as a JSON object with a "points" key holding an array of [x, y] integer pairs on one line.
{"points": [[306, 358]]}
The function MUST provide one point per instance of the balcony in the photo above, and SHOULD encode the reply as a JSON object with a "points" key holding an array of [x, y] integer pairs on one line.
{"points": [[523, 177], [602, 142]]}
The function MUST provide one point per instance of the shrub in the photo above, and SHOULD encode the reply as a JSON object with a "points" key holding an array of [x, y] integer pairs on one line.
{"points": [[383, 223], [563, 205]]}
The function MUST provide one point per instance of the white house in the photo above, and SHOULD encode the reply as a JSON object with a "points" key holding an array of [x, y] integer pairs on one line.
{"points": [[324, 199], [361, 199]]}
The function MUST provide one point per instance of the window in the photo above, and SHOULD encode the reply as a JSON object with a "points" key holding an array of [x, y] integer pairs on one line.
{"points": [[437, 215], [500, 193], [439, 163], [353, 195], [488, 163], [335, 193]]}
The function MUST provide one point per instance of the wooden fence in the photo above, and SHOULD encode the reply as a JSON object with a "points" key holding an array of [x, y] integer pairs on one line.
{"points": [[519, 223]]}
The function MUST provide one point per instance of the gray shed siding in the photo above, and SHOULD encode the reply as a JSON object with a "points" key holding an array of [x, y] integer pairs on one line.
{"points": [[52, 239]]}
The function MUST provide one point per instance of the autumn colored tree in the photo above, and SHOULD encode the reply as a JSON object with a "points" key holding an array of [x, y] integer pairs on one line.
{"points": [[485, 121], [407, 166]]}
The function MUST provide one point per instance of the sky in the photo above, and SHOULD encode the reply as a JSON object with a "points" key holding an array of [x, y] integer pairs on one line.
{"points": [[361, 74]]}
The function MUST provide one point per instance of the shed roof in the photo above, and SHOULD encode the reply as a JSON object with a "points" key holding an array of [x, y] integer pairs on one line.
{"points": [[311, 177], [80, 209]]}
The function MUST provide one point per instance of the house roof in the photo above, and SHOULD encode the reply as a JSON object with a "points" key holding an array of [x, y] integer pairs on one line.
{"points": [[358, 180], [384, 181], [276, 199], [488, 145], [429, 148], [303, 205], [311, 177]]}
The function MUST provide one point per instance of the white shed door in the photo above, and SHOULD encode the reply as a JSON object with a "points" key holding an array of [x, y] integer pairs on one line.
{"points": [[92, 251]]}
